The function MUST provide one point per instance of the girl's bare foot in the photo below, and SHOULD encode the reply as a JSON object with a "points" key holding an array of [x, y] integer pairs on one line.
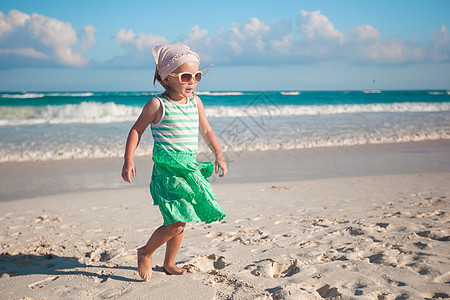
{"points": [[144, 265], [174, 270]]}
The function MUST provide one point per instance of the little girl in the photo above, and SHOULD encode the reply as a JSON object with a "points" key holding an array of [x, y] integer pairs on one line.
{"points": [[178, 184]]}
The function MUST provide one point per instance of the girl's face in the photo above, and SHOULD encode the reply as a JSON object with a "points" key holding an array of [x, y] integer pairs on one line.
{"points": [[184, 89]]}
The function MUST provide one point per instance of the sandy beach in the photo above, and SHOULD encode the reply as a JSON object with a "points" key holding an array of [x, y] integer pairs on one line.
{"points": [[360, 222]]}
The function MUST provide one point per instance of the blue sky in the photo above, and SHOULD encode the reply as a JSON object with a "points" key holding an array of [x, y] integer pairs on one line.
{"points": [[254, 45]]}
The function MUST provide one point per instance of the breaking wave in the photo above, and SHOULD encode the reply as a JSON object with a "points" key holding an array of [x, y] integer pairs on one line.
{"points": [[101, 113]]}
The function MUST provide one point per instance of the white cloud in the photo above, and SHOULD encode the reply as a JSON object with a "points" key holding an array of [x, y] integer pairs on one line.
{"points": [[88, 37], [14, 19], [249, 43], [244, 42], [442, 37], [440, 48], [394, 51], [314, 39], [252, 34], [283, 45], [137, 47], [197, 35], [124, 37], [147, 41], [37, 40], [27, 52], [255, 27], [366, 46], [364, 32], [315, 26], [141, 42], [236, 47]]}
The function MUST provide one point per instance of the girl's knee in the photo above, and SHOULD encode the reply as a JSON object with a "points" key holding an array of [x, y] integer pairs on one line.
{"points": [[176, 228]]}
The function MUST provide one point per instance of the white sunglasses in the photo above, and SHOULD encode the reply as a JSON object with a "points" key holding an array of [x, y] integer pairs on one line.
{"points": [[185, 77]]}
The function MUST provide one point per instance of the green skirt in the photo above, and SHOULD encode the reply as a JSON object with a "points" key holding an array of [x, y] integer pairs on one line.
{"points": [[180, 188]]}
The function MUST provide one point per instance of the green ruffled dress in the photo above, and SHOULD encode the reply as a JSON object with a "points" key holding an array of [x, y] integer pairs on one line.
{"points": [[180, 188], [179, 184]]}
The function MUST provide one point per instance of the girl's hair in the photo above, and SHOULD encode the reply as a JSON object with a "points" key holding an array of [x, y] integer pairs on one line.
{"points": [[157, 77]]}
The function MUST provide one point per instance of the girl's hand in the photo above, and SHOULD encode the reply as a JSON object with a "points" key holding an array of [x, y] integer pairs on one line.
{"points": [[127, 169], [220, 163]]}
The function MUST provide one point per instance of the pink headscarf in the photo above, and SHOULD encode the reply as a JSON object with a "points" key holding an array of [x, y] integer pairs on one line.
{"points": [[170, 57]]}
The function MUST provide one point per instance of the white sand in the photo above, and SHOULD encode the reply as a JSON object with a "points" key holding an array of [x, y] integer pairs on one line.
{"points": [[366, 237]]}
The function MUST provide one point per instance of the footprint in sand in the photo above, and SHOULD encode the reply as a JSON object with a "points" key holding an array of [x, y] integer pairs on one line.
{"points": [[251, 237], [47, 219], [351, 231], [442, 236], [280, 188], [102, 255], [431, 201], [219, 236], [274, 269], [327, 291], [443, 278], [311, 244], [243, 237], [206, 263], [330, 256], [396, 214], [423, 269], [327, 222], [382, 295], [385, 258], [437, 296], [102, 276], [383, 226], [423, 246], [393, 282], [293, 291], [436, 213]]}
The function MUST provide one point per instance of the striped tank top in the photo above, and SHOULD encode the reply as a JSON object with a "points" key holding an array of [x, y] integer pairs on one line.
{"points": [[178, 127]]}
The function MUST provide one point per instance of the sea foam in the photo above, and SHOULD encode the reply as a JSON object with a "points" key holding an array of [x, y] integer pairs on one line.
{"points": [[101, 113], [310, 110], [85, 112], [83, 151], [290, 93], [42, 95], [207, 93], [23, 96]]}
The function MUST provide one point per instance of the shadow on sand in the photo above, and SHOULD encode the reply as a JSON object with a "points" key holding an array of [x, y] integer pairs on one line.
{"points": [[49, 264]]}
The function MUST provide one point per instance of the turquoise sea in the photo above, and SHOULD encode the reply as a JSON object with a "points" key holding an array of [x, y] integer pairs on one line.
{"points": [[73, 125]]}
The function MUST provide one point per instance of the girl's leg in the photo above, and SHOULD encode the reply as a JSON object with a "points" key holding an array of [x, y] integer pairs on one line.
{"points": [[172, 247], [158, 238]]}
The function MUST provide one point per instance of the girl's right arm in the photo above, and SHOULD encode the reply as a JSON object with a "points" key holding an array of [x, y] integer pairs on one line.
{"points": [[150, 113]]}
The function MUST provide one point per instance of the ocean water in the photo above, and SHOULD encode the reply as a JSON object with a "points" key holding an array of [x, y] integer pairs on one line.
{"points": [[53, 126]]}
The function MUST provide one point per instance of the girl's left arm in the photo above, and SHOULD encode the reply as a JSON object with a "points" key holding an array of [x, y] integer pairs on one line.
{"points": [[210, 138]]}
